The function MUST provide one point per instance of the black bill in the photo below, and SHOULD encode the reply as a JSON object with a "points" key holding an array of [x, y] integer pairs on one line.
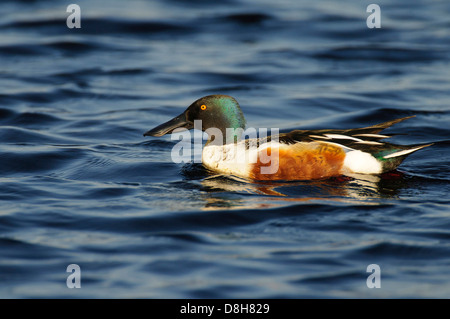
{"points": [[168, 127]]}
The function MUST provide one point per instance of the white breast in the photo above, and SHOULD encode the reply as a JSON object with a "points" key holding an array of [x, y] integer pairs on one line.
{"points": [[229, 158], [233, 159]]}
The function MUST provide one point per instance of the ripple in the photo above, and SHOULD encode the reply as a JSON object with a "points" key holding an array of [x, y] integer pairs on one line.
{"points": [[248, 18], [34, 161], [12, 134], [414, 251], [380, 53], [34, 119]]}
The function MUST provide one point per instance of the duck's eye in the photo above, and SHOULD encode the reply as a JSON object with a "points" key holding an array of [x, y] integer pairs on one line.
{"points": [[203, 107]]}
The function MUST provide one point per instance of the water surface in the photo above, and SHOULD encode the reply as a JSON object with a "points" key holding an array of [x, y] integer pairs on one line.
{"points": [[80, 184]]}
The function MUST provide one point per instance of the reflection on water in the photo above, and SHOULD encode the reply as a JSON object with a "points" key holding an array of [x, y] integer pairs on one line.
{"points": [[222, 190]]}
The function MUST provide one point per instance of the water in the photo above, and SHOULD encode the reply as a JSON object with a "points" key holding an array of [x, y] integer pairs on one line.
{"points": [[81, 185]]}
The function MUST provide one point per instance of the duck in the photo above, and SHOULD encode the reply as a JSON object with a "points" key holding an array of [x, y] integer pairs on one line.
{"points": [[295, 155]]}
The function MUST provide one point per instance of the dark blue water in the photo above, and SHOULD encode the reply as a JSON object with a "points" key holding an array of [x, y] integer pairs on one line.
{"points": [[81, 185]]}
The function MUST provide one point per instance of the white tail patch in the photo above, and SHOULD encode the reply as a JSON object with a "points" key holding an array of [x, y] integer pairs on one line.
{"points": [[361, 162], [404, 152]]}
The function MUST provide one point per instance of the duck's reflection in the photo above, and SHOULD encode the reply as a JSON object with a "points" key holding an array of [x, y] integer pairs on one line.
{"points": [[232, 192]]}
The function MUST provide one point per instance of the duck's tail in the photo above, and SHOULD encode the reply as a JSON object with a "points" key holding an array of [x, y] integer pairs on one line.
{"points": [[393, 155]]}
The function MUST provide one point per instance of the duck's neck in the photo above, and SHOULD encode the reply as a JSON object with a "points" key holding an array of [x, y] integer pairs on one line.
{"points": [[224, 135]]}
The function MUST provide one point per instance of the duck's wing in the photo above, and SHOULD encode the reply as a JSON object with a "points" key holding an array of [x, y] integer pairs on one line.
{"points": [[365, 139], [358, 136]]}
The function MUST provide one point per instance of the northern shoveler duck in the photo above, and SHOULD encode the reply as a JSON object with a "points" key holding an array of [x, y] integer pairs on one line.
{"points": [[300, 154]]}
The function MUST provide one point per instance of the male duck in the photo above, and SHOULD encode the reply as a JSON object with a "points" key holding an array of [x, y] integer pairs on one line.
{"points": [[297, 155]]}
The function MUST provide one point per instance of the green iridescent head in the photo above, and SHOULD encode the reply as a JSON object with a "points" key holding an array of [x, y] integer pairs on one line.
{"points": [[221, 112]]}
